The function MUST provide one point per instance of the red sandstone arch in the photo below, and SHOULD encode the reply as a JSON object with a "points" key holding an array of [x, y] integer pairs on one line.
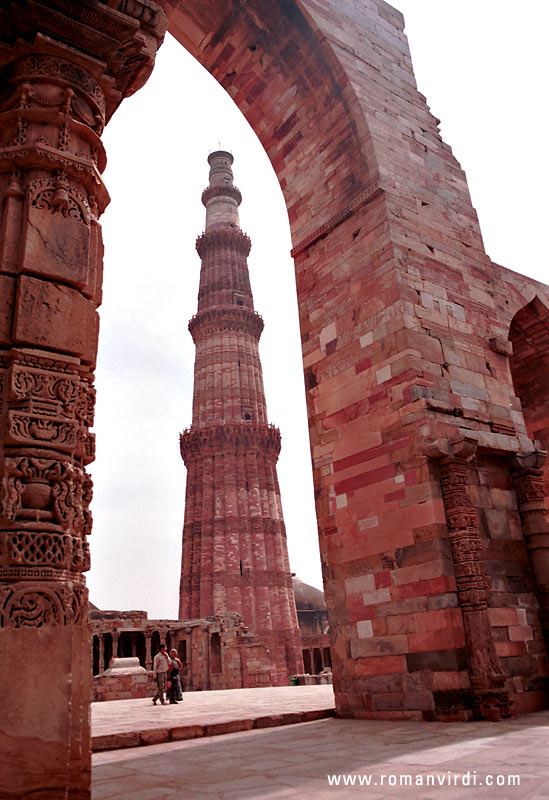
{"points": [[400, 313], [284, 76]]}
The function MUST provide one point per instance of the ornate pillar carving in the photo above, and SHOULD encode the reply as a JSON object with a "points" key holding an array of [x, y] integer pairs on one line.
{"points": [[490, 699], [528, 475], [65, 67]]}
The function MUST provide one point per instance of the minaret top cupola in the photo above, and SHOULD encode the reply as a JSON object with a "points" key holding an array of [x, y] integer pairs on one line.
{"points": [[221, 198]]}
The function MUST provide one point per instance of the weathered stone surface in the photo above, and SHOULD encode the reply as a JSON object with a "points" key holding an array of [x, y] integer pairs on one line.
{"points": [[52, 315]]}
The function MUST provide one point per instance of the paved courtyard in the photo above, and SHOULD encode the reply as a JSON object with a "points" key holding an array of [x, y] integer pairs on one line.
{"points": [[398, 759], [130, 723]]}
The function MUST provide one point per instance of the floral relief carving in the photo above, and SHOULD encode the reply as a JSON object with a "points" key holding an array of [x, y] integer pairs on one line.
{"points": [[33, 609], [43, 67], [40, 605], [11, 491], [66, 394], [59, 195], [31, 428], [56, 492]]}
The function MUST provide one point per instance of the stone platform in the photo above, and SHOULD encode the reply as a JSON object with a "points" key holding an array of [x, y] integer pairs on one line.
{"points": [[133, 723], [295, 761]]}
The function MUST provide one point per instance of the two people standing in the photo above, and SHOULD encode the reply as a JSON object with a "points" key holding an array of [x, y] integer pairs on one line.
{"points": [[166, 670]]}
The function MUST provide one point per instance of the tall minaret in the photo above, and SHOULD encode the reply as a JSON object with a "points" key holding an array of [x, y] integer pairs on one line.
{"points": [[235, 556]]}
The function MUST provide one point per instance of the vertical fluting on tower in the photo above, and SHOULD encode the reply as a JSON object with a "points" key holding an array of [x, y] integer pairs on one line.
{"points": [[235, 556]]}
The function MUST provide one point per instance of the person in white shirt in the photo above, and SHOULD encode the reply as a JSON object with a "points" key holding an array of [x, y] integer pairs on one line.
{"points": [[161, 665]]}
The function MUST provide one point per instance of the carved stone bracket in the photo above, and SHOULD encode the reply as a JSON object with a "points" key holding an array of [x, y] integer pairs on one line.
{"points": [[490, 699]]}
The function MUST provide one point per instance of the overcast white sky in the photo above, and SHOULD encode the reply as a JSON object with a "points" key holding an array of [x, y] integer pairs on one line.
{"points": [[482, 66]]}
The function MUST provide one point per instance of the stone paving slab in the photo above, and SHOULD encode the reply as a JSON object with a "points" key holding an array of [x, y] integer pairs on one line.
{"points": [[133, 723], [295, 762]]}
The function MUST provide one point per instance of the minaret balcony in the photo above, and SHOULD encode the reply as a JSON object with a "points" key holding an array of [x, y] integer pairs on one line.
{"points": [[222, 318], [221, 190], [233, 437], [219, 238]]}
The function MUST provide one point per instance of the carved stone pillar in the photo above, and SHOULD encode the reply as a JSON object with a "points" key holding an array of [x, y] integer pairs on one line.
{"points": [[101, 653], [490, 699], [529, 481], [64, 68], [115, 638], [148, 652]]}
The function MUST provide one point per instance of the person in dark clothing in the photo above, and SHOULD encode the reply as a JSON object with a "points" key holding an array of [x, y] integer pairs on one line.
{"points": [[175, 694]]}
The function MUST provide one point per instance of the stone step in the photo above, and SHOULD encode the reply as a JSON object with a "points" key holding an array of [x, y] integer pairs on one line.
{"points": [[180, 731]]}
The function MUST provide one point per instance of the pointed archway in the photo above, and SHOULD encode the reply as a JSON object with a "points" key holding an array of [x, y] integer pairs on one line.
{"points": [[529, 335]]}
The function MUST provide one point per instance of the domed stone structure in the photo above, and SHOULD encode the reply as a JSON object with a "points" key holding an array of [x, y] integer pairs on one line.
{"points": [[307, 597], [312, 616]]}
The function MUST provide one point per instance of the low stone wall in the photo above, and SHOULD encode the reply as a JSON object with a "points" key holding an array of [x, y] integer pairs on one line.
{"points": [[123, 680], [313, 680]]}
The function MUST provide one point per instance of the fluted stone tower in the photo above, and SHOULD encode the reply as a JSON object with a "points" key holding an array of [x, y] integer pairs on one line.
{"points": [[235, 556]]}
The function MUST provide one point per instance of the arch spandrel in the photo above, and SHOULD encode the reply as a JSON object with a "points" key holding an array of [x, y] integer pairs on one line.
{"points": [[282, 73]]}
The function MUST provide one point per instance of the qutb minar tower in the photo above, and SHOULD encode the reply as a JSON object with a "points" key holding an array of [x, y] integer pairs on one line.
{"points": [[235, 556]]}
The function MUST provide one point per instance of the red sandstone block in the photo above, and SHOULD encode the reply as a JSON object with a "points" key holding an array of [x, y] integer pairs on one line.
{"points": [[502, 616], [520, 633], [507, 649], [399, 494], [409, 701], [380, 665], [187, 732], [154, 736], [420, 572], [448, 681], [379, 627], [232, 726], [7, 291], [386, 645], [57, 248], [268, 721], [358, 611], [292, 718], [317, 713], [446, 583], [382, 579], [447, 639], [115, 741], [439, 619], [362, 365], [395, 715], [55, 316], [403, 623], [365, 479], [411, 477]]}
